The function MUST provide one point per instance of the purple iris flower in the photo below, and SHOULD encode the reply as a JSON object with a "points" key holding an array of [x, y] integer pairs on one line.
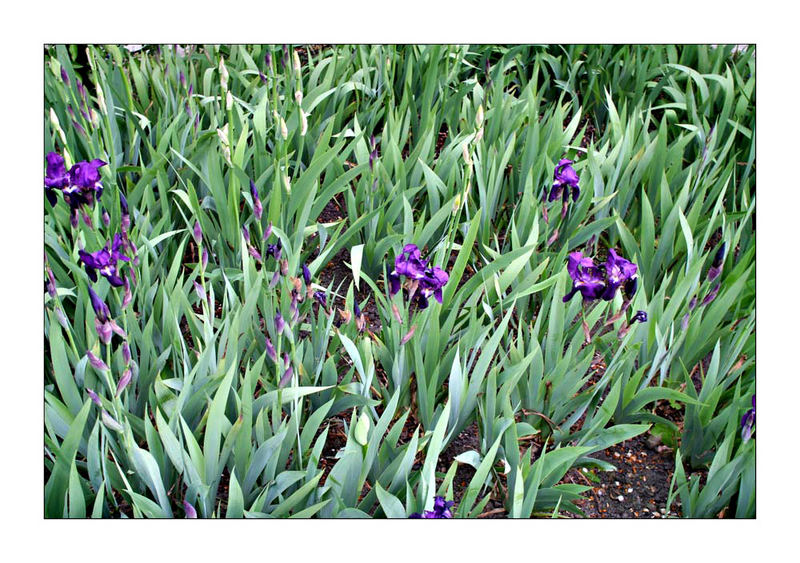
{"points": [[441, 509], [306, 274], [749, 422], [564, 178], [56, 177], [86, 175], [81, 185], [274, 250], [434, 279], [320, 297], [394, 284], [586, 277], [618, 271], [640, 316], [409, 263], [412, 266], [105, 261], [595, 282]]}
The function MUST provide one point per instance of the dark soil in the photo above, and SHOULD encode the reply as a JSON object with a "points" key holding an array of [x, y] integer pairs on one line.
{"points": [[337, 273], [467, 440], [335, 441], [639, 487]]}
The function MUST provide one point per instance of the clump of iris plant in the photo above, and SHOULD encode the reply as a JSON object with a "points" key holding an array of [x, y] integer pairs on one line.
{"points": [[422, 281], [80, 186], [105, 261], [441, 509], [749, 422], [600, 282]]}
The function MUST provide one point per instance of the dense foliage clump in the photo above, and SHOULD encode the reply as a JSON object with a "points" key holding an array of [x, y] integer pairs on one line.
{"points": [[282, 281]]}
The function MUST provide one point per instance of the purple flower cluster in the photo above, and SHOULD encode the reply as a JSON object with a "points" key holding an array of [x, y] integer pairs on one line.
{"points": [[441, 509], [428, 280], [80, 186], [601, 282]]}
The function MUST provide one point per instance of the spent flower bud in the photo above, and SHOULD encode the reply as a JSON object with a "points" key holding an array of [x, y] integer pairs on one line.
{"points": [[408, 335]]}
